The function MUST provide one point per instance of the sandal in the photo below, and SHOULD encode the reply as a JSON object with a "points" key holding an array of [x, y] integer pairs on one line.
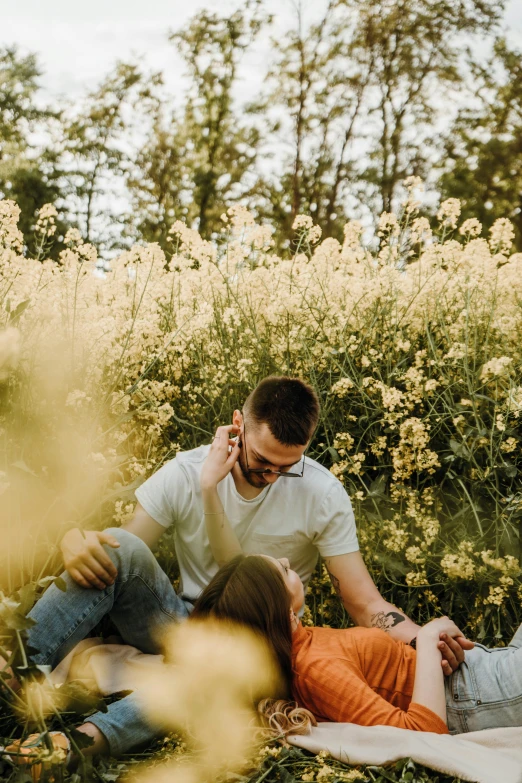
{"points": [[34, 752]]}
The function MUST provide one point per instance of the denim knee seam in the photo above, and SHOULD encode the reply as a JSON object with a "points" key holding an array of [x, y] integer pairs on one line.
{"points": [[149, 587]]}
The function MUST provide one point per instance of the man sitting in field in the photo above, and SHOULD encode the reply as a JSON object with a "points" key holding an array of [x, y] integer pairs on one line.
{"points": [[279, 502]]}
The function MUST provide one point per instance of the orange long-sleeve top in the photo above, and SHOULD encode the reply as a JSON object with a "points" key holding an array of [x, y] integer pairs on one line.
{"points": [[358, 675]]}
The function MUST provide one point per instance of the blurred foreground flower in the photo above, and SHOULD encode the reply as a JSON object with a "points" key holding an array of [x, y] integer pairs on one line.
{"points": [[216, 673], [9, 351]]}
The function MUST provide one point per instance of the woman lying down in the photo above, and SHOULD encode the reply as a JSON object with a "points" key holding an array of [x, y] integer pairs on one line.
{"points": [[361, 675], [357, 675]]}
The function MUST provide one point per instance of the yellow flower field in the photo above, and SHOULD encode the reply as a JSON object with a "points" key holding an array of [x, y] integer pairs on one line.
{"points": [[414, 346]]}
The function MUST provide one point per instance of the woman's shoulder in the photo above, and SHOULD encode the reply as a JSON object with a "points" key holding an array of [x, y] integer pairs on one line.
{"points": [[355, 632], [336, 642]]}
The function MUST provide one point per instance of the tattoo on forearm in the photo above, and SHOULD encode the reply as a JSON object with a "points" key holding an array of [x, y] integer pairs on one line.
{"points": [[386, 621], [335, 582]]}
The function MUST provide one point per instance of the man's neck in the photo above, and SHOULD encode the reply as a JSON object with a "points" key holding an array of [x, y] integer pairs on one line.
{"points": [[246, 490]]}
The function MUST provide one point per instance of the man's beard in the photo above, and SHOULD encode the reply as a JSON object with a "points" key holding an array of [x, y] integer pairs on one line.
{"points": [[254, 479]]}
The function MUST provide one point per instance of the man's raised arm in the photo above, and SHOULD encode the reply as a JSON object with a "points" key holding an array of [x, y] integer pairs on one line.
{"points": [[85, 558]]}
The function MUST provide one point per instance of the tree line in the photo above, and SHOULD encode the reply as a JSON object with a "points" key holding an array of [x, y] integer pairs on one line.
{"points": [[369, 93]]}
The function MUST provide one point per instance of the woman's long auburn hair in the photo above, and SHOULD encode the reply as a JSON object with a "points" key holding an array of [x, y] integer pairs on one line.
{"points": [[251, 591]]}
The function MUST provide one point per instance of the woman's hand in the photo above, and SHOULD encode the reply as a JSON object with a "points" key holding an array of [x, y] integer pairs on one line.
{"points": [[428, 688], [450, 641], [221, 458], [441, 625]]}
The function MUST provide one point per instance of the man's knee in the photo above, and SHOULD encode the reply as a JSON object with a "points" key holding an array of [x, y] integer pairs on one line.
{"points": [[132, 552]]}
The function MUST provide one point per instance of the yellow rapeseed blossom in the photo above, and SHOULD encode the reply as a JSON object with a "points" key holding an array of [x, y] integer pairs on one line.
{"points": [[501, 235], [416, 579], [379, 446], [46, 223], [343, 442], [496, 595], [449, 212], [496, 367], [10, 236], [342, 387], [471, 227], [412, 454], [508, 565], [396, 537], [509, 445], [420, 230], [414, 554]]}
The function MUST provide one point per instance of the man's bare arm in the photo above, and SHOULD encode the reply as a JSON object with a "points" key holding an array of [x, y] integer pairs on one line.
{"points": [[363, 602], [144, 526], [85, 558], [366, 606]]}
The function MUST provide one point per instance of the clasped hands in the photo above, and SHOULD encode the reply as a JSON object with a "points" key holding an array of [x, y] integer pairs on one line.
{"points": [[449, 640]]}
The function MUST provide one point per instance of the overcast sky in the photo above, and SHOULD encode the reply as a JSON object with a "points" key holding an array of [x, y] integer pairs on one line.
{"points": [[78, 42]]}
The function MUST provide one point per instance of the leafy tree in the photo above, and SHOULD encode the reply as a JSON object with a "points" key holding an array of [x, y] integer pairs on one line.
{"points": [[357, 97], [27, 171], [96, 152], [415, 47], [197, 163], [352, 106], [159, 185], [318, 86], [18, 85], [483, 148]]}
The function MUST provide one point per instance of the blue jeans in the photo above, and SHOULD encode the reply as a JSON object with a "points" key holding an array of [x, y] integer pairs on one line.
{"points": [[141, 603], [486, 690]]}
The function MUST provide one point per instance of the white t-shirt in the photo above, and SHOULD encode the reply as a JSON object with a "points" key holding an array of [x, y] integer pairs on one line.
{"points": [[297, 518]]}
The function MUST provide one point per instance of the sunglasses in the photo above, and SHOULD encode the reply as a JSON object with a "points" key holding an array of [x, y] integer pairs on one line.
{"points": [[269, 471]]}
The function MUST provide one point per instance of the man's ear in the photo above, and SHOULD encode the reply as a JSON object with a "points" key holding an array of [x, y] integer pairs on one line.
{"points": [[237, 418]]}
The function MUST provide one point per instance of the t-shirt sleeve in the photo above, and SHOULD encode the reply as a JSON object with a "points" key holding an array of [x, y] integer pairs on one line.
{"points": [[165, 493], [335, 523], [332, 690]]}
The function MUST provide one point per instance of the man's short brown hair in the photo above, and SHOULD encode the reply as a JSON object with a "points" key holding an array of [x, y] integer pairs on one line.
{"points": [[289, 406]]}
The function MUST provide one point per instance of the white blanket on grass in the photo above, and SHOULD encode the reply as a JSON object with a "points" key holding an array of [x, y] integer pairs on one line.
{"points": [[104, 667], [492, 756]]}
